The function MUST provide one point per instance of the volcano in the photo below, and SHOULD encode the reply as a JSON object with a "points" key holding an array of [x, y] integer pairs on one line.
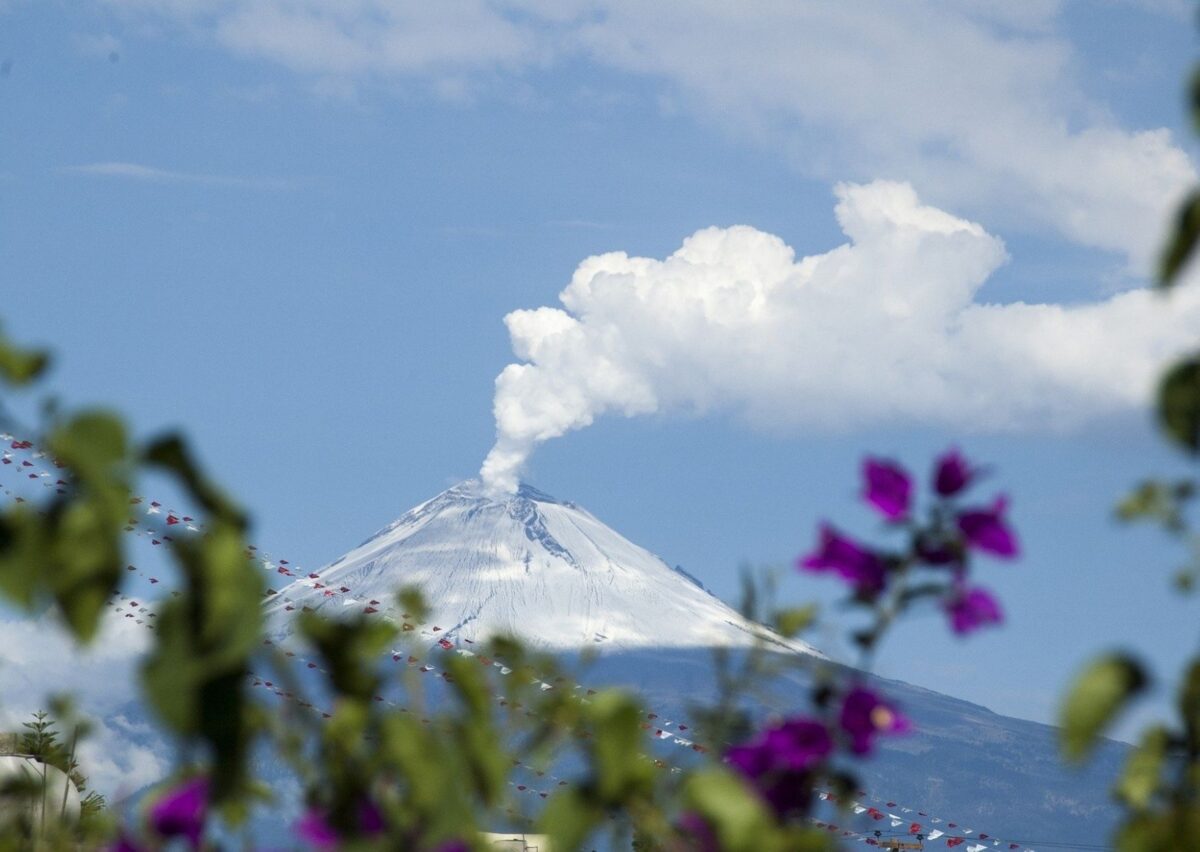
{"points": [[553, 575], [532, 566]]}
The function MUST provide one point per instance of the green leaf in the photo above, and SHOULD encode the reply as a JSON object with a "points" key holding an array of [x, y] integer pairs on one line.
{"points": [[1169, 831], [569, 817], [793, 621], [351, 651], [1157, 500], [616, 745], [1095, 699], [1179, 403], [1194, 97], [1189, 704], [1141, 777], [412, 605], [738, 817], [21, 366], [92, 444], [1181, 241], [171, 453]]}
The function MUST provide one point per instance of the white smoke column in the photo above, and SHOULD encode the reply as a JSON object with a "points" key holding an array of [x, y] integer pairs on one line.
{"points": [[884, 328]]}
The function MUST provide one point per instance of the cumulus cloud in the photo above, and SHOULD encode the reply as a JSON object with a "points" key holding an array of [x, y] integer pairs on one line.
{"points": [[39, 660], [886, 328], [978, 103]]}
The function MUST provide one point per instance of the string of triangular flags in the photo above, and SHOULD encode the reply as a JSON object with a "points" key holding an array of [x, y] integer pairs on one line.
{"points": [[33, 466], [171, 521], [914, 822]]}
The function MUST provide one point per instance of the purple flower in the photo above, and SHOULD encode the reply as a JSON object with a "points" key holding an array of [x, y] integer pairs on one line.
{"points": [[316, 828], [865, 715], [887, 487], [698, 832], [836, 552], [970, 609], [986, 530], [952, 474], [780, 760], [125, 843], [181, 812], [370, 819], [454, 846]]}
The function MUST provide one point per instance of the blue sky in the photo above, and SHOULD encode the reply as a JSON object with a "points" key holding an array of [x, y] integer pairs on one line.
{"points": [[296, 234]]}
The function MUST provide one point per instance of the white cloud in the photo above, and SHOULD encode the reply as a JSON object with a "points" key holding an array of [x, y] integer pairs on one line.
{"points": [[883, 329], [150, 174], [930, 91], [39, 660], [978, 103]]}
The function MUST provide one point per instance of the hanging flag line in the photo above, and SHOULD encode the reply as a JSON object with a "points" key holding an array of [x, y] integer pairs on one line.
{"points": [[120, 601], [663, 729], [12, 458], [285, 696], [932, 827]]}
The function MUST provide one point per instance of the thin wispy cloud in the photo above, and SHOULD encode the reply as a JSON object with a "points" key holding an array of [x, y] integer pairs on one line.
{"points": [[981, 104], [152, 174], [581, 224]]}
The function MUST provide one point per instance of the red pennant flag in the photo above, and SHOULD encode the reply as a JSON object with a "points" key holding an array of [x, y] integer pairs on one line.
{"points": [[172, 520], [915, 828], [445, 643]]}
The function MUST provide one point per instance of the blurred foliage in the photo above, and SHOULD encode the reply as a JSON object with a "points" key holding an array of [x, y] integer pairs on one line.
{"points": [[1159, 786]]}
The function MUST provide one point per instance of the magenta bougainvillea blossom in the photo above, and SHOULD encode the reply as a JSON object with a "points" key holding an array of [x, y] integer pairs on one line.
{"points": [[850, 560], [316, 829], [952, 473], [865, 715], [970, 609], [699, 833], [887, 487], [986, 530], [181, 812], [779, 762]]}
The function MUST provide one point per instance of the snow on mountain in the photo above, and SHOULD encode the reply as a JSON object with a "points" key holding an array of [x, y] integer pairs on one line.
{"points": [[529, 565]]}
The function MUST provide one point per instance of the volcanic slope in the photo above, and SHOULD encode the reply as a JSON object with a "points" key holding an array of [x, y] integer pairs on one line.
{"points": [[526, 565]]}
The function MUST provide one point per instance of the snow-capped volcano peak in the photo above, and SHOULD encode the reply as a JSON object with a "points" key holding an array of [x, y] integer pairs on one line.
{"points": [[529, 565]]}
